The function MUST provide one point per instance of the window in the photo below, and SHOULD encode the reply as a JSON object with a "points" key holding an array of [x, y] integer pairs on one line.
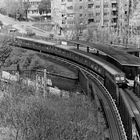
{"points": [[90, 15], [97, 14], [105, 14], [105, 6], [69, 0], [70, 7], [70, 15], [106, 20], [80, 7], [90, 5], [97, 6], [80, 0], [90, 20]]}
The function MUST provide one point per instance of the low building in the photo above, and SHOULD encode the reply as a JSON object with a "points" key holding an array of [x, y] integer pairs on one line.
{"points": [[33, 9]]}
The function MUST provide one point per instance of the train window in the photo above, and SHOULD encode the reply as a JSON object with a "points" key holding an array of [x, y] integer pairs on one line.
{"points": [[92, 66], [99, 70], [117, 78], [122, 78], [85, 61], [96, 67]]}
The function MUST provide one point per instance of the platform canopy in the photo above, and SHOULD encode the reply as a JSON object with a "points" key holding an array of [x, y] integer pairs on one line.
{"points": [[118, 55]]}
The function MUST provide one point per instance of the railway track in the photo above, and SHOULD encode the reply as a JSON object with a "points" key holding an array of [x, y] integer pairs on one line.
{"points": [[133, 105], [113, 118], [111, 112], [112, 115]]}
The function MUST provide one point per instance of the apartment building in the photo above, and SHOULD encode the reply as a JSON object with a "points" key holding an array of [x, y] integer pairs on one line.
{"points": [[106, 12], [72, 13], [82, 13]]}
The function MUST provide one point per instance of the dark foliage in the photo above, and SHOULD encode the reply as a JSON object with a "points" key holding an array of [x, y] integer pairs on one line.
{"points": [[45, 6]]}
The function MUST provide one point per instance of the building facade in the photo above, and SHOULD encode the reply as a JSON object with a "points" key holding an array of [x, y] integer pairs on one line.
{"points": [[83, 13], [33, 9]]}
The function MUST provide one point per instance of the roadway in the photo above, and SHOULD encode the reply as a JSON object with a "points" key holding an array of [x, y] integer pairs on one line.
{"points": [[23, 26]]}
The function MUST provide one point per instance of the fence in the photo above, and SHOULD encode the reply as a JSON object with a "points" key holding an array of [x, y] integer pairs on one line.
{"points": [[39, 80]]}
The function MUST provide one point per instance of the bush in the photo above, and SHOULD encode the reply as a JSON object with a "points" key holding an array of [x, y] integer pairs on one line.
{"points": [[33, 117]]}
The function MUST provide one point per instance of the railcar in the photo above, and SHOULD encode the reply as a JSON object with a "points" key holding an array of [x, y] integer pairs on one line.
{"points": [[129, 64], [94, 65], [118, 76], [105, 70]]}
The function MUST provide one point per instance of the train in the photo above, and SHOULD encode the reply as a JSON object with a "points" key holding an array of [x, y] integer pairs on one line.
{"points": [[113, 77], [127, 63]]}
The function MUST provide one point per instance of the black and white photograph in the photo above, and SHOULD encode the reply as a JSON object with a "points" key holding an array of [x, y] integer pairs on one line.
{"points": [[69, 69]]}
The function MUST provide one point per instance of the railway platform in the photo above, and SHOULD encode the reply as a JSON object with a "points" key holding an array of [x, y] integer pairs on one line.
{"points": [[120, 56]]}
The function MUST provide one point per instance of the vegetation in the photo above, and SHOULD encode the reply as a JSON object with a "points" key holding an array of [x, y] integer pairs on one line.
{"points": [[11, 56], [16, 9], [44, 6], [30, 116], [26, 114]]}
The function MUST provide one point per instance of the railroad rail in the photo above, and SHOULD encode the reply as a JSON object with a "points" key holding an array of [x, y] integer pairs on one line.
{"points": [[132, 117], [116, 128], [115, 123], [113, 120]]}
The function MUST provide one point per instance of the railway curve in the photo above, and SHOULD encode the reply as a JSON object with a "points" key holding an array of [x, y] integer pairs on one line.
{"points": [[113, 117]]}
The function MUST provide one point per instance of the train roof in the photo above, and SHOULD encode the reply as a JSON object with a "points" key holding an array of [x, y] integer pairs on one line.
{"points": [[120, 56], [109, 67]]}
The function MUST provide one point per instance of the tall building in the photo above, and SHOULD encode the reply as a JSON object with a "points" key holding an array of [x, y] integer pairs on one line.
{"points": [[69, 13], [106, 12], [84, 13]]}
